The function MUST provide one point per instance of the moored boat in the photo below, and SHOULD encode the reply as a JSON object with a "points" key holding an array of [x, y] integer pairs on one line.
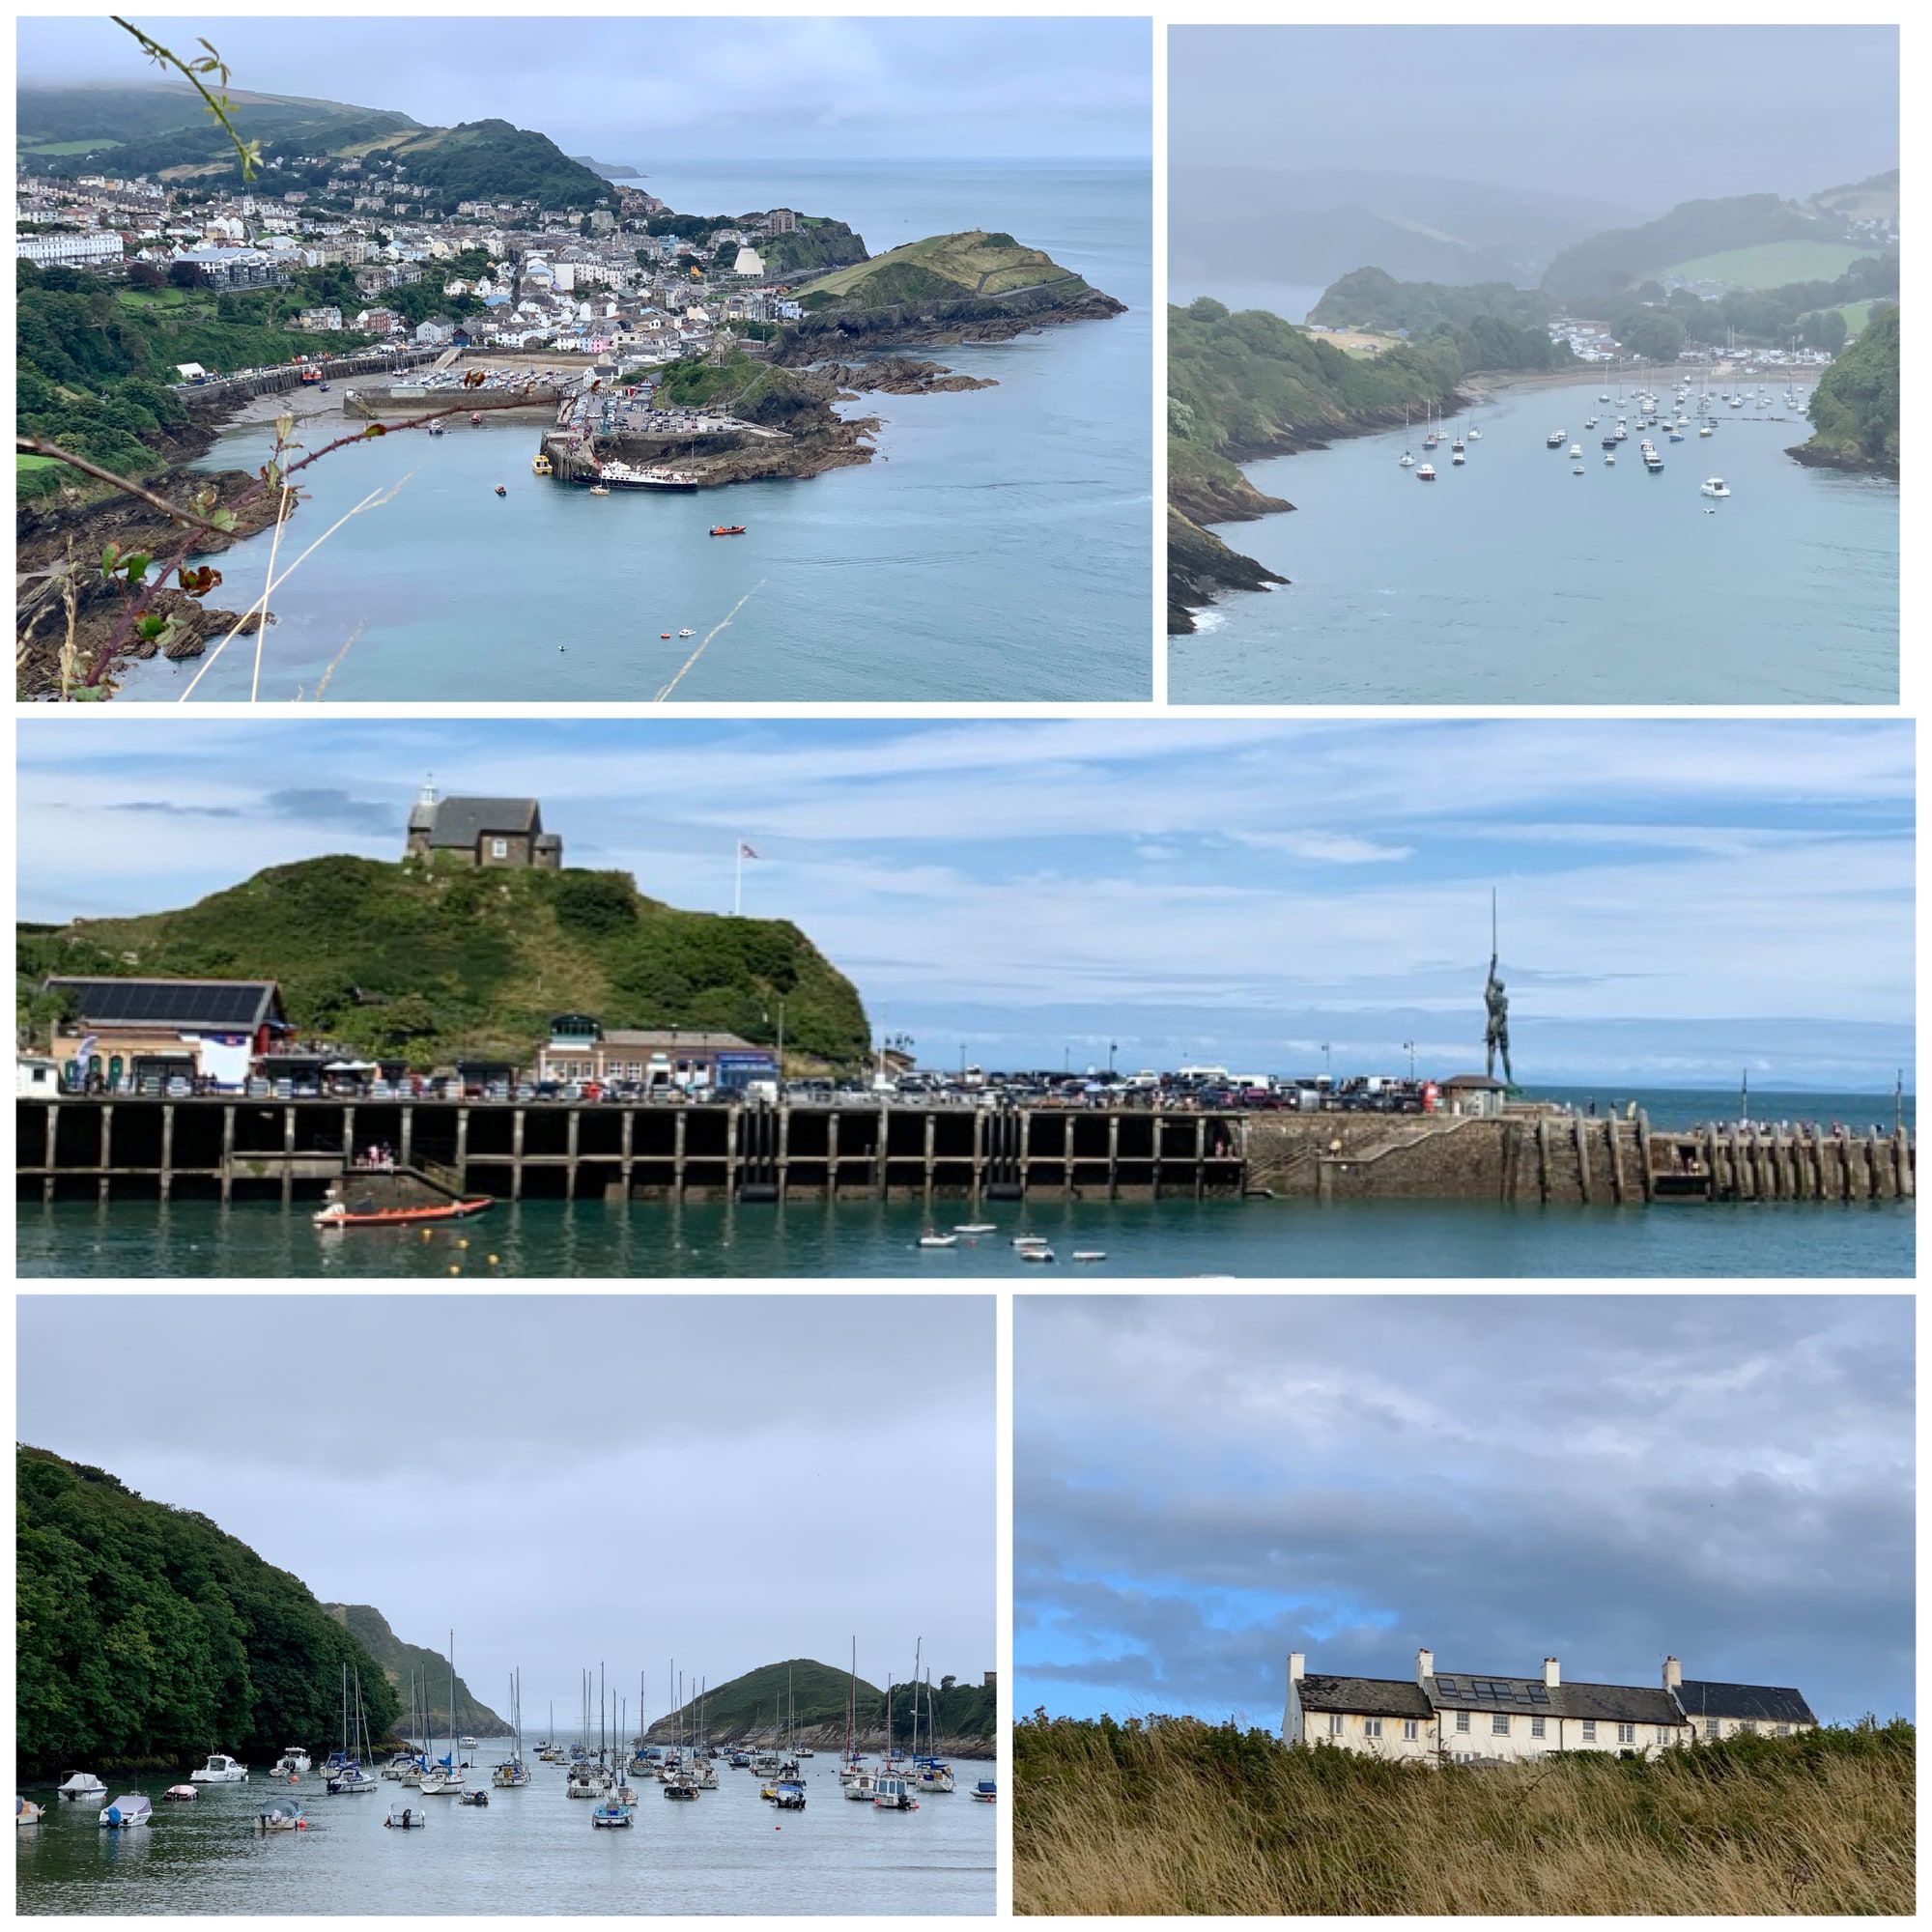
{"points": [[181, 1794], [284, 1815], [80, 1785], [727, 530], [338, 1214], [221, 1770], [124, 1814], [27, 1812]]}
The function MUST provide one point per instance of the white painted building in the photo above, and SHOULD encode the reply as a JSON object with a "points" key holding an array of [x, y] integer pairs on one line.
{"points": [[748, 263], [69, 251], [1487, 1719]]}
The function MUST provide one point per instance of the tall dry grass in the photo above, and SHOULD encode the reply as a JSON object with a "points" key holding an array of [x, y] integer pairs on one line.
{"points": [[1176, 1816]]}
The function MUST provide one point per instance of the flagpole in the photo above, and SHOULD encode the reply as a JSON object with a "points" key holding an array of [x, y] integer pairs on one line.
{"points": [[738, 878]]}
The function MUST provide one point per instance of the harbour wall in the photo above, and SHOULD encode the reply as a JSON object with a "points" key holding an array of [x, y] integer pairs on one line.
{"points": [[231, 1149], [1536, 1156], [268, 382]]}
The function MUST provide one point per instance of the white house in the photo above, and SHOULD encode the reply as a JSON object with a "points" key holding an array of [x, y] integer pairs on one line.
{"points": [[1487, 1719]]}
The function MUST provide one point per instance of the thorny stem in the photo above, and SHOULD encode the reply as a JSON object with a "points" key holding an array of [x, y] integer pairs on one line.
{"points": [[98, 668]]}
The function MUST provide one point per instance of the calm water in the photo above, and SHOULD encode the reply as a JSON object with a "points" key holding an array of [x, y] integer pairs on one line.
{"points": [[530, 1851], [1002, 552], [1511, 580]]}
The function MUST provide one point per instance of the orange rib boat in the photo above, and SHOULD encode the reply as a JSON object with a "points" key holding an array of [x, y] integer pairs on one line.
{"points": [[727, 530], [338, 1217]]}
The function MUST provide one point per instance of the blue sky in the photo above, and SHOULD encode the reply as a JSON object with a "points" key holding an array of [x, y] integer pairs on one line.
{"points": [[1679, 899], [1203, 1484], [648, 91]]}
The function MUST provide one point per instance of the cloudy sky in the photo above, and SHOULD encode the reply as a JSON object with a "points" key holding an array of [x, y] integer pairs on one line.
{"points": [[1204, 1484], [1678, 899], [413, 1452], [648, 92], [1649, 116]]}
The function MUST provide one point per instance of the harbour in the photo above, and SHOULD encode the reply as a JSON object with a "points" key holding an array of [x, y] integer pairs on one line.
{"points": [[1514, 580], [530, 1850]]}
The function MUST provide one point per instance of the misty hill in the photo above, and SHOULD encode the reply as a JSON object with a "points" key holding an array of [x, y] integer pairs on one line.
{"points": [[1233, 224], [166, 133], [427, 963], [753, 1705], [1370, 300], [609, 170], [1704, 240], [145, 1635], [398, 1660]]}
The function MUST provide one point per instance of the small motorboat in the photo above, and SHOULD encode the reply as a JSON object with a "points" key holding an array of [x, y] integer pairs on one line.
{"points": [[614, 1814], [293, 1763], [435, 429], [181, 1794], [686, 632], [1090, 1254], [1029, 1241], [1611, 461], [975, 1227], [986, 1792], [665, 636], [500, 491], [600, 489], [891, 1794], [1457, 461], [1425, 472], [1576, 449], [789, 1795], [939, 1240], [727, 530], [221, 1770], [286, 1815], [405, 1818], [124, 1814], [338, 1216], [477, 1797], [27, 1812], [80, 1785], [475, 418], [1715, 486], [1039, 1254], [1555, 440], [326, 388], [1576, 469], [350, 1780]]}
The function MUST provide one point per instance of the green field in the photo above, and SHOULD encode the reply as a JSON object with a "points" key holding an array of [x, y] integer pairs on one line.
{"points": [[34, 462], [89, 147], [1855, 314], [1771, 265]]}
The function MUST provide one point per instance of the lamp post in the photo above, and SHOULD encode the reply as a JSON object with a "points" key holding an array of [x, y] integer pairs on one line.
{"points": [[1408, 1047], [1324, 1060]]}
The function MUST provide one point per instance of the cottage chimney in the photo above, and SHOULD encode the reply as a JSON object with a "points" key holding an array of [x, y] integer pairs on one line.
{"points": [[1673, 1674], [1295, 1662], [1550, 1676], [1425, 1665]]}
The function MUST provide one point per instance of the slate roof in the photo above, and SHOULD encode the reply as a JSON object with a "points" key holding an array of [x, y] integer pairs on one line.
{"points": [[224, 1006], [1614, 1703], [1364, 1697], [461, 821], [700, 1042], [1765, 1703]]}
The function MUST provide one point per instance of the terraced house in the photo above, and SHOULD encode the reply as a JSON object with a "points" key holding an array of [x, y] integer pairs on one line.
{"points": [[1487, 1720]]}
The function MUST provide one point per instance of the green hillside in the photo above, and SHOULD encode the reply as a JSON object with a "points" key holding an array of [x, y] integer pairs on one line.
{"points": [[749, 1706], [1855, 407], [1771, 265], [428, 965], [973, 265], [1617, 259], [165, 132], [145, 1635], [398, 1660]]}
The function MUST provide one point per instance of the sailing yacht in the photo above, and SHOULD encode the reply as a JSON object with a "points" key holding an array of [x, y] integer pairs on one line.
{"points": [[442, 1777], [514, 1773]]}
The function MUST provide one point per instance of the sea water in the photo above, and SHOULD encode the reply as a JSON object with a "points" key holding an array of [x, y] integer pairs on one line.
{"points": [[1511, 580], [528, 1852], [1002, 549]]}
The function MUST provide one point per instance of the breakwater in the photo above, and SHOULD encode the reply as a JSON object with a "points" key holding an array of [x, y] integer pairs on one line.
{"points": [[289, 375], [238, 1150]]}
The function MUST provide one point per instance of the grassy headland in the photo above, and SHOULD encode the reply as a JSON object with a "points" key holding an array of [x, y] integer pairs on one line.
{"points": [[429, 964], [1178, 1816]]}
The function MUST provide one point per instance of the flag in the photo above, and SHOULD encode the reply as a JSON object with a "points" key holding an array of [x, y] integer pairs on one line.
{"points": [[746, 852]]}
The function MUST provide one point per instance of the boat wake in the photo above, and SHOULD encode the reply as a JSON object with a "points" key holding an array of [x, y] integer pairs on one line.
{"points": [[723, 624]]}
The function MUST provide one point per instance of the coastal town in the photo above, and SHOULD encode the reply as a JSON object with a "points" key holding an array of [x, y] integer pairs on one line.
{"points": [[367, 254]]}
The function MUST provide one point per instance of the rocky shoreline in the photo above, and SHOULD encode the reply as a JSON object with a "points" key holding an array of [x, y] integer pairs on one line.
{"points": [[899, 375], [47, 531], [1200, 566]]}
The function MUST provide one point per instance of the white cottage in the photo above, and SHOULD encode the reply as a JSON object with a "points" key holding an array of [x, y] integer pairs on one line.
{"points": [[1461, 1719]]}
